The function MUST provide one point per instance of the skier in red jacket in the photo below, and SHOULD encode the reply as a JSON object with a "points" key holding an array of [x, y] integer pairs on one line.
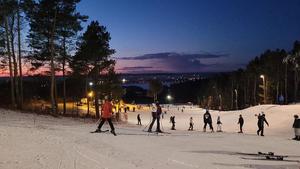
{"points": [[106, 116]]}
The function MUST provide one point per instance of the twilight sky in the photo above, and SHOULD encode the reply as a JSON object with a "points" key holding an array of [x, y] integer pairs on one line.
{"points": [[194, 35]]}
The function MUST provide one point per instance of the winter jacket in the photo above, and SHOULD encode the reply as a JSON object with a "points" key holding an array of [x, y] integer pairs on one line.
{"points": [[296, 123], [241, 121], [219, 120], [207, 117], [106, 110], [157, 113], [261, 121]]}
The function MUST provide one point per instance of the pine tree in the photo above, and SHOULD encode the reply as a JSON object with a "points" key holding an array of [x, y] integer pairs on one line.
{"points": [[93, 57], [6, 13], [51, 23], [70, 24]]}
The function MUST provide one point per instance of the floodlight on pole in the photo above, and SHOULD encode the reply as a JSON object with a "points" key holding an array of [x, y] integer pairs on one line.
{"points": [[262, 76], [169, 97], [236, 98], [91, 83], [264, 88]]}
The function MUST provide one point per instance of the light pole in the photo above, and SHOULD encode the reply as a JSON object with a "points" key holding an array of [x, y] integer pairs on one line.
{"points": [[236, 97], [87, 98], [220, 103], [264, 88], [90, 95]]}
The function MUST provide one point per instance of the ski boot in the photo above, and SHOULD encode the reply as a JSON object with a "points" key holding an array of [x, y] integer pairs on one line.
{"points": [[113, 132]]}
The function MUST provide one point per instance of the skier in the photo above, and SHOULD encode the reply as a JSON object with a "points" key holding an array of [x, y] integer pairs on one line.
{"points": [[173, 123], [219, 123], [260, 123], [241, 123], [156, 116], [139, 119], [207, 120], [106, 116], [296, 127], [191, 128]]}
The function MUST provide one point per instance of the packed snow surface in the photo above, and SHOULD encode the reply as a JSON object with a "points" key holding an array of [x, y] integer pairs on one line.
{"points": [[30, 141]]}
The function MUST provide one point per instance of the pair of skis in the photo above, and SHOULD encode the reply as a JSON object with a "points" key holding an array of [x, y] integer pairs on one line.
{"points": [[270, 156], [149, 133], [104, 131]]}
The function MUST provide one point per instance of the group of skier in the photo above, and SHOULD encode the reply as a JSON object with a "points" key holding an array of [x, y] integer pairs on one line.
{"points": [[107, 107]]}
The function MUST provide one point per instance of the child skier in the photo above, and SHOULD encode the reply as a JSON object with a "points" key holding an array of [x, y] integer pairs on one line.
{"points": [[191, 128], [207, 120], [219, 123]]}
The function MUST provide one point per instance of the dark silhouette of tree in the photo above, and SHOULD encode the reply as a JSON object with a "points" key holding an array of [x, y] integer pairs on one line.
{"points": [[51, 23], [155, 87], [295, 60], [93, 57], [7, 12]]}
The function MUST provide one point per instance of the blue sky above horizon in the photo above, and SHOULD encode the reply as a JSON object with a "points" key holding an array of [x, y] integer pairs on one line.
{"points": [[193, 35]]}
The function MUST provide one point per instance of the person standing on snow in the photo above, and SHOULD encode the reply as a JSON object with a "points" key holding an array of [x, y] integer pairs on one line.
{"points": [[191, 128], [173, 122], [106, 116], [219, 123], [296, 127], [139, 119], [241, 123], [156, 117], [207, 120], [260, 123]]}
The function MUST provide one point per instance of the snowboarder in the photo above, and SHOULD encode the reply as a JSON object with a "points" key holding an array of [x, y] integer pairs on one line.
{"points": [[191, 128], [296, 127], [241, 123], [156, 117], [139, 119], [219, 123], [207, 120], [106, 116], [260, 123], [173, 122]]}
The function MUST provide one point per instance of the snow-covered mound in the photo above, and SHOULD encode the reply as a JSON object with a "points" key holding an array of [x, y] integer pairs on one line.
{"points": [[280, 118]]}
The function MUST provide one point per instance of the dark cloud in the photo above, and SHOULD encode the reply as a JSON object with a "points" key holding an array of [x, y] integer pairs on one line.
{"points": [[172, 55], [140, 69], [135, 68], [174, 62]]}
